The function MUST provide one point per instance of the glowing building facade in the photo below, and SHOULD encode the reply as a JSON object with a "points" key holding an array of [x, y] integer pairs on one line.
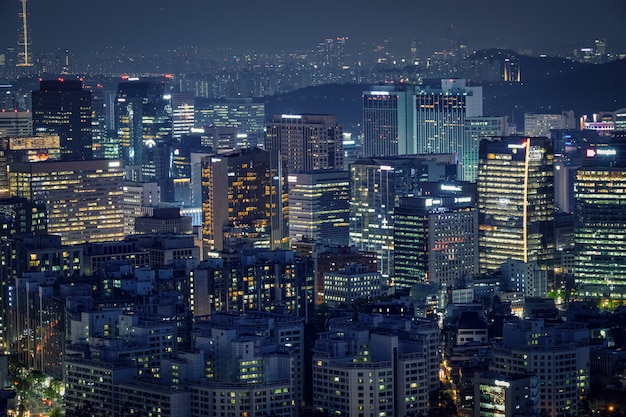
{"points": [[308, 142], [516, 201], [84, 199], [143, 121], [245, 201], [319, 207], [600, 225]]}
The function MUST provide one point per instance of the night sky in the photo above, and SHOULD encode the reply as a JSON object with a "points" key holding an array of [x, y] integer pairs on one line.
{"points": [[545, 26]]}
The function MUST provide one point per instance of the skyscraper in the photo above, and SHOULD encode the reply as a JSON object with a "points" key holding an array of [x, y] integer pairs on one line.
{"points": [[516, 201], [143, 121], [84, 199], [376, 185], [308, 142], [182, 113], [388, 127], [476, 129], [436, 235], [63, 107], [408, 120], [440, 115], [244, 201], [600, 225], [319, 207]]}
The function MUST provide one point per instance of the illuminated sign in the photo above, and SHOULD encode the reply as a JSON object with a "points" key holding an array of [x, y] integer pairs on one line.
{"points": [[114, 164], [292, 178], [517, 145], [433, 202], [502, 383], [592, 153], [463, 200], [445, 187], [378, 93], [216, 160], [386, 168], [291, 116]]}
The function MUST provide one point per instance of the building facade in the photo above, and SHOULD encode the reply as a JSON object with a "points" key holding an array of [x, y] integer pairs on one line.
{"points": [[516, 202]]}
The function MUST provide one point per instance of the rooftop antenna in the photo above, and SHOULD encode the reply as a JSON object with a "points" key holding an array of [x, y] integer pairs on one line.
{"points": [[24, 40]]}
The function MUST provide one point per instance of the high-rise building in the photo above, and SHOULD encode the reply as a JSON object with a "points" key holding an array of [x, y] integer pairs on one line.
{"points": [[308, 142], [319, 207], [440, 116], [388, 127], [376, 185], [84, 199], [407, 120], [516, 201], [540, 124], [557, 354], [600, 225], [63, 107], [242, 113], [476, 129], [183, 113], [16, 123], [143, 121], [245, 201], [436, 236]]}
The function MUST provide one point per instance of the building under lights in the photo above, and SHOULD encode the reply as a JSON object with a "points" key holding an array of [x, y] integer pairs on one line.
{"points": [[319, 207], [143, 121], [308, 142], [16, 123], [436, 236], [556, 353], [84, 199], [183, 112], [600, 225], [516, 202], [495, 394], [376, 185], [407, 120], [477, 129], [62, 107], [245, 201]]}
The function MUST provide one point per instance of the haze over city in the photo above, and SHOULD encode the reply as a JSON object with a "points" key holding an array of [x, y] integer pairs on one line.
{"points": [[549, 27]]}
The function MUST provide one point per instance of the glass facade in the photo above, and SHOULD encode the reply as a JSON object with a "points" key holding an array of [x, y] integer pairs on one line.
{"points": [[516, 201]]}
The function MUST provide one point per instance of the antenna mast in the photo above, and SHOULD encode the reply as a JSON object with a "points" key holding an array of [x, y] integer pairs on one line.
{"points": [[24, 40]]}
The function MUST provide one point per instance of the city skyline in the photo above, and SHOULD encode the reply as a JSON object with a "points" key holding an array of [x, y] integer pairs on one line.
{"points": [[139, 26]]}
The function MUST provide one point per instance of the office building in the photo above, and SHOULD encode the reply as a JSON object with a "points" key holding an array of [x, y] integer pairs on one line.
{"points": [[495, 394], [388, 128], [143, 122], [15, 123], [376, 185], [436, 236], [600, 224], [183, 113], [241, 113], [557, 354], [525, 277], [62, 107], [440, 116], [83, 199], [25, 149], [537, 125], [354, 282], [138, 198], [308, 142], [245, 201], [163, 220], [516, 202], [477, 129], [380, 365], [319, 207], [333, 259]]}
